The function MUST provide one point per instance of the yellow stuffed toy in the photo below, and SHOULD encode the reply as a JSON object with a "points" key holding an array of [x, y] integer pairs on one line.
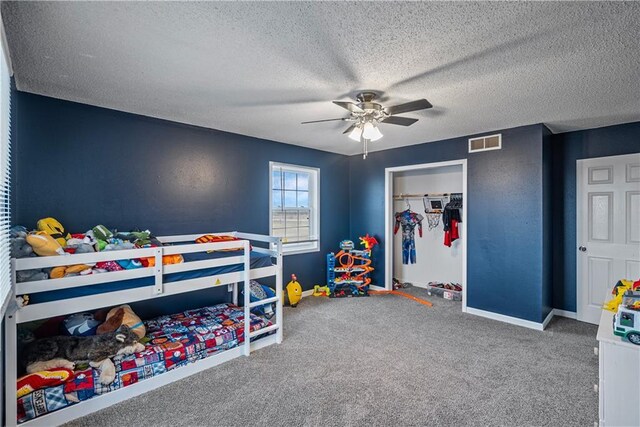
{"points": [[44, 245], [53, 228]]}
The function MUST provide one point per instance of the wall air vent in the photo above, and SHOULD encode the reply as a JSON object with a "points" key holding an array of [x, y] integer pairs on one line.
{"points": [[485, 143]]}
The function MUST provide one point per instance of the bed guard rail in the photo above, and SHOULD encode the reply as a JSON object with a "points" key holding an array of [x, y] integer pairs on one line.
{"points": [[158, 270]]}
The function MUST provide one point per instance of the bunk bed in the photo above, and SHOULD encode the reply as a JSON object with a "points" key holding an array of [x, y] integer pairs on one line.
{"points": [[206, 265]]}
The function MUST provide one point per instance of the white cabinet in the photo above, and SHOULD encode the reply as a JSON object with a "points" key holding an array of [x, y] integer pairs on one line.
{"points": [[619, 385]]}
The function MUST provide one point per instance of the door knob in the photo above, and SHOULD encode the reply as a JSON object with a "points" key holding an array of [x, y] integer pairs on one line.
{"points": [[582, 249]]}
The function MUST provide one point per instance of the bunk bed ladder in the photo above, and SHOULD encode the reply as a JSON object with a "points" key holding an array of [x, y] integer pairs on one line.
{"points": [[248, 305]]}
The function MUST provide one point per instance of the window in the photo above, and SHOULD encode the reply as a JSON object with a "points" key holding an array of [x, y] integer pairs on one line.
{"points": [[295, 207], [5, 171], [626, 319]]}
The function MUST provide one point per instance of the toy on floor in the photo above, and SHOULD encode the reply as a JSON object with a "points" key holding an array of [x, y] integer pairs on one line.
{"points": [[321, 291], [294, 291], [397, 284], [350, 277], [449, 291], [405, 295]]}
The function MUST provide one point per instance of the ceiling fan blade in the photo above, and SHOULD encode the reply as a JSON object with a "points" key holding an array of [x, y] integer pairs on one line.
{"points": [[349, 106], [349, 129], [420, 104], [325, 120], [402, 121]]}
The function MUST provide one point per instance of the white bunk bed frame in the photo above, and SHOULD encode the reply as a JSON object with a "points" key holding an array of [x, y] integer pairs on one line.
{"points": [[159, 289]]}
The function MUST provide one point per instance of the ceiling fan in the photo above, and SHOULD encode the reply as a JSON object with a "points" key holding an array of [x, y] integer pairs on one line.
{"points": [[366, 115]]}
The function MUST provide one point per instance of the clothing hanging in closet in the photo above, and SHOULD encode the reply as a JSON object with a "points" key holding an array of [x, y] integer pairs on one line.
{"points": [[451, 218], [408, 220]]}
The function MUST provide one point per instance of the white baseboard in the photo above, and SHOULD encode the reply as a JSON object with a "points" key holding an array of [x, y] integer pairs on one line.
{"points": [[521, 322], [508, 319], [547, 319], [564, 313]]}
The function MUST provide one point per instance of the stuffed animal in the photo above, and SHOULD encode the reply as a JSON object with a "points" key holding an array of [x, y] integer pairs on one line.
{"points": [[21, 249], [122, 315], [118, 245], [44, 245], [108, 266], [53, 228], [68, 270], [90, 238], [19, 246], [83, 248], [31, 275], [22, 300], [129, 264], [101, 232], [166, 260], [65, 351]]}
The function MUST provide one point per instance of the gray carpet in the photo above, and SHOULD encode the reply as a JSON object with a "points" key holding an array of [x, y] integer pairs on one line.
{"points": [[386, 360]]}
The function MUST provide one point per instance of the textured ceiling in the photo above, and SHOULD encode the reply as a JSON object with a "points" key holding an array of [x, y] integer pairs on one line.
{"points": [[260, 69]]}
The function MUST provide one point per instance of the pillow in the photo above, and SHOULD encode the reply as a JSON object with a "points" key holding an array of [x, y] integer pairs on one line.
{"points": [[42, 379], [210, 238]]}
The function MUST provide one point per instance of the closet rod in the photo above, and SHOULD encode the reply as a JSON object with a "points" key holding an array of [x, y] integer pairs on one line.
{"points": [[420, 196]]}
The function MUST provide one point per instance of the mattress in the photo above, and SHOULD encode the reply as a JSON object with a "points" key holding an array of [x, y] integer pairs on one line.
{"points": [[171, 341], [258, 260]]}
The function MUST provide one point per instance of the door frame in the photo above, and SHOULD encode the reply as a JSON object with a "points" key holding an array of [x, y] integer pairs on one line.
{"points": [[579, 201], [389, 222]]}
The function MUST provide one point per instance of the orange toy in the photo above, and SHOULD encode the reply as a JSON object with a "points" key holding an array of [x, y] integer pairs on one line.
{"points": [[403, 294]]}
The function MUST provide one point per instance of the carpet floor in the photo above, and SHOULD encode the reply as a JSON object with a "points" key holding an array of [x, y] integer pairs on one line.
{"points": [[386, 360]]}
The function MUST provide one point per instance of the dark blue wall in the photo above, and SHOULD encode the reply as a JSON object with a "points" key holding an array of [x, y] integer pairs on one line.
{"points": [[86, 165], [567, 149], [547, 222], [505, 215]]}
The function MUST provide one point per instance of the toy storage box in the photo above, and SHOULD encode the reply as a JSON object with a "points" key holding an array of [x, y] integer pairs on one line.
{"points": [[449, 294]]}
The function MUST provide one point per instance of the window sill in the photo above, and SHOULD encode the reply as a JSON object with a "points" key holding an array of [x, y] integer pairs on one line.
{"points": [[300, 249]]}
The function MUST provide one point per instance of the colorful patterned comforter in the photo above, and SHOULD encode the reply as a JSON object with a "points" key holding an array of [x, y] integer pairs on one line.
{"points": [[173, 341]]}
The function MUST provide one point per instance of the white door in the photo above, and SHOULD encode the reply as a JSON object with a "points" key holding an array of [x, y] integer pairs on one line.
{"points": [[608, 219]]}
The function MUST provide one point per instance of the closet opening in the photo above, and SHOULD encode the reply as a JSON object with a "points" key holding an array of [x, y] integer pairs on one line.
{"points": [[426, 231]]}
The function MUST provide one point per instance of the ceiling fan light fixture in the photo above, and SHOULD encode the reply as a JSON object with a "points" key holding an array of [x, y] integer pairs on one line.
{"points": [[371, 132], [355, 134]]}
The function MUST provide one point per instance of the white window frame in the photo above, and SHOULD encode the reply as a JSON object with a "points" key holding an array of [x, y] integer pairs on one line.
{"points": [[6, 279], [314, 205]]}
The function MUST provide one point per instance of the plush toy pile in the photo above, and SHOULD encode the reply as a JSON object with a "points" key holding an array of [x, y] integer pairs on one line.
{"points": [[50, 238], [50, 359]]}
